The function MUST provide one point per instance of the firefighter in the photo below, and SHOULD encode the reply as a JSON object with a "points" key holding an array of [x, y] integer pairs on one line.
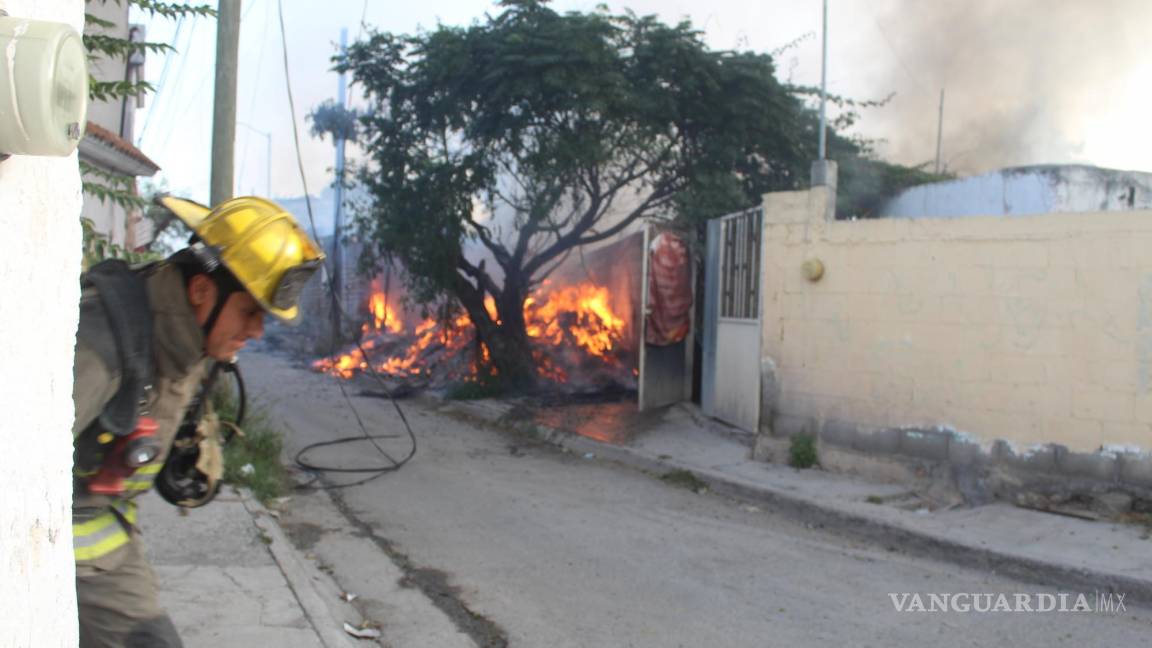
{"points": [[146, 340]]}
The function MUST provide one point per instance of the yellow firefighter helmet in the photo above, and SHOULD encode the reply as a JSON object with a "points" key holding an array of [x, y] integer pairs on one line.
{"points": [[259, 242]]}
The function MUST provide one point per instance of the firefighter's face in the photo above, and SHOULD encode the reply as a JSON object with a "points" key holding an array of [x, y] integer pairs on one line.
{"points": [[240, 320]]}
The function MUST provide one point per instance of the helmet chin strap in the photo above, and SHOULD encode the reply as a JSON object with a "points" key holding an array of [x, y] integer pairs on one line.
{"points": [[224, 290]]}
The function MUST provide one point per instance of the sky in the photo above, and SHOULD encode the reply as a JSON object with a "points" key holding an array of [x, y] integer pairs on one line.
{"points": [[1026, 81]]}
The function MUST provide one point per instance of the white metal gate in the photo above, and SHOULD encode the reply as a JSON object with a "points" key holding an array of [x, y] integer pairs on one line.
{"points": [[730, 389]]}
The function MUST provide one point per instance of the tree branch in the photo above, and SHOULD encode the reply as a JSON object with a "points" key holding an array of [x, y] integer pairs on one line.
{"points": [[485, 236], [481, 276], [536, 281]]}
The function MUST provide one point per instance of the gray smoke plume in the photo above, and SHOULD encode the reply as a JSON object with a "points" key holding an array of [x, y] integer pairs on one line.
{"points": [[1022, 77]]}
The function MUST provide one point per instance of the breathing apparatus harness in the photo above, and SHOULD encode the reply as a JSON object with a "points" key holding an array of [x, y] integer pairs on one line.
{"points": [[122, 439], [191, 474]]}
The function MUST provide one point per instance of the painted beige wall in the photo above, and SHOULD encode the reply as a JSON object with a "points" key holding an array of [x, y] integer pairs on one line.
{"points": [[1034, 330]]}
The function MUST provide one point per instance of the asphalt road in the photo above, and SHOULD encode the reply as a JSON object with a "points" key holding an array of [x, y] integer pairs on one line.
{"points": [[523, 545]]}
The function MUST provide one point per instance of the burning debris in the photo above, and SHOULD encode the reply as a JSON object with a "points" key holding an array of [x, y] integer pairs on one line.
{"points": [[580, 340]]}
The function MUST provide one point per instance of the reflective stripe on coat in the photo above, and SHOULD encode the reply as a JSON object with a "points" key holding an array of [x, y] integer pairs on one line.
{"points": [[104, 533]]}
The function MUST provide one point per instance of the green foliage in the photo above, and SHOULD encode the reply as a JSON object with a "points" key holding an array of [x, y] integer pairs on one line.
{"points": [[570, 127], [332, 119], [116, 90], [802, 451], [849, 107], [120, 190], [97, 247], [104, 185], [103, 46], [91, 21], [484, 387], [171, 9], [685, 479], [107, 186], [866, 183], [110, 47], [260, 447]]}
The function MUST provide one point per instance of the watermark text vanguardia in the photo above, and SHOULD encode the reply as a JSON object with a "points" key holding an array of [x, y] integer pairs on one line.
{"points": [[988, 602]]}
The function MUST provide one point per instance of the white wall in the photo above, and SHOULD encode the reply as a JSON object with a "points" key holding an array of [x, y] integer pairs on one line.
{"points": [[1026, 191], [39, 265]]}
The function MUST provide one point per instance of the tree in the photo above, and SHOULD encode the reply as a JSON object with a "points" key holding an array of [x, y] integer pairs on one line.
{"points": [[568, 128], [330, 118], [103, 185]]}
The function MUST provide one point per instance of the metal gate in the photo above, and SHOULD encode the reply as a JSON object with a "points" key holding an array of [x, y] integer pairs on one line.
{"points": [[730, 388]]}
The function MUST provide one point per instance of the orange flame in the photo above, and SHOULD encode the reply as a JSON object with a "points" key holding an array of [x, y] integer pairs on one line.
{"points": [[583, 312], [577, 316], [383, 316]]}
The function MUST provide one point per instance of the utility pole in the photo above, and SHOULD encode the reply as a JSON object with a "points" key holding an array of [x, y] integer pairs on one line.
{"points": [[824, 87], [940, 131], [224, 101], [338, 224], [824, 171]]}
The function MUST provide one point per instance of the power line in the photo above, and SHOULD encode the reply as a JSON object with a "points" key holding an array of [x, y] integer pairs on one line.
{"points": [[363, 18], [163, 79], [255, 89], [188, 106], [365, 436], [185, 54], [896, 54], [194, 99]]}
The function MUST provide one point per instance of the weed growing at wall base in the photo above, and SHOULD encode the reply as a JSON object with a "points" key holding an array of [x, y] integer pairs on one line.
{"points": [[802, 452], [253, 461]]}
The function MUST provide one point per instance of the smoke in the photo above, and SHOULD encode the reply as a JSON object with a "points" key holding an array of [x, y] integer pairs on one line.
{"points": [[1026, 81]]}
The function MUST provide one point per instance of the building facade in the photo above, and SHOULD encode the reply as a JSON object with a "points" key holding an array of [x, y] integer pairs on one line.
{"points": [[107, 145]]}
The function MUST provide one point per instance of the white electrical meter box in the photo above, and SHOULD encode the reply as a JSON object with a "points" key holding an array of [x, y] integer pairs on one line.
{"points": [[43, 87]]}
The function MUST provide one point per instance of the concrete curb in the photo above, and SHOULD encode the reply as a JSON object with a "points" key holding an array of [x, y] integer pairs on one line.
{"points": [[301, 578], [845, 522]]}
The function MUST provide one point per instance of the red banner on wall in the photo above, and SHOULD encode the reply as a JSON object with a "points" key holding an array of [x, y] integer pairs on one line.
{"points": [[669, 315]]}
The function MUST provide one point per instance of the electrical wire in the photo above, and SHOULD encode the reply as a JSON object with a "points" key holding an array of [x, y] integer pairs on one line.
{"points": [[177, 124], [363, 18], [252, 101], [396, 464], [896, 54], [162, 104], [163, 79], [209, 70]]}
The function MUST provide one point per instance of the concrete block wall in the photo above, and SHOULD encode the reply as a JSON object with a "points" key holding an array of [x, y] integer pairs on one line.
{"points": [[1034, 331], [39, 291]]}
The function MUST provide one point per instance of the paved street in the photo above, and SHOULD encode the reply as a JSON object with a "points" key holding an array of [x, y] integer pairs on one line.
{"points": [[517, 542]]}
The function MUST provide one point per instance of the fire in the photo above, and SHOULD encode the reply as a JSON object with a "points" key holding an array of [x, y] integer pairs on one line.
{"points": [[581, 311], [383, 316], [578, 317]]}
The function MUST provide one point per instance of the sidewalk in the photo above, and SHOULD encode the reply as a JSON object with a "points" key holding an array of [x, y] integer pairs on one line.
{"points": [[229, 578], [1047, 549]]}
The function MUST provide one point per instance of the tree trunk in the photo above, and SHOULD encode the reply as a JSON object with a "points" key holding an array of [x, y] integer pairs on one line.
{"points": [[509, 345], [511, 355]]}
